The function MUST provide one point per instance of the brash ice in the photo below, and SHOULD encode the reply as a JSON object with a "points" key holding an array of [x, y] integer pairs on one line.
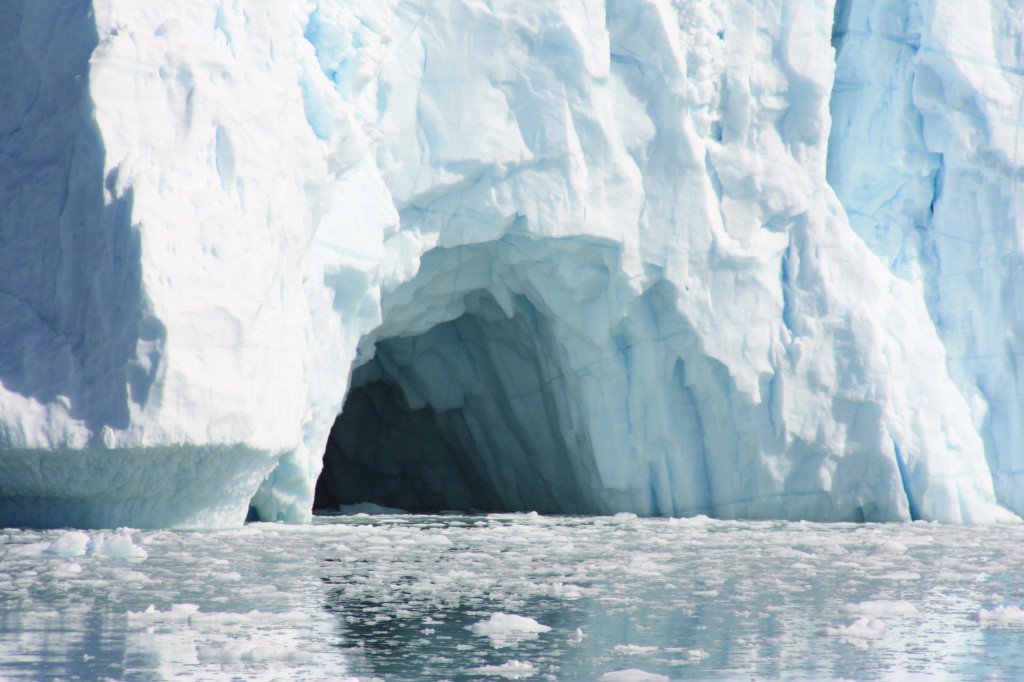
{"points": [[742, 259]]}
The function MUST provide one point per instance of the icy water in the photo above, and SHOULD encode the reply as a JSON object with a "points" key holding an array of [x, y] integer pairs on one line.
{"points": [[514, 597]]}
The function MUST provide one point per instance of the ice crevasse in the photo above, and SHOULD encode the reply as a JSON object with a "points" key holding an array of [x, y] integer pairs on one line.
{"points": [[743, 259]]}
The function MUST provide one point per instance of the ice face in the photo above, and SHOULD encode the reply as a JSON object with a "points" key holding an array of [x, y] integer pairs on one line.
{"points": [[570, 257], [151, 295], [924, 155]]}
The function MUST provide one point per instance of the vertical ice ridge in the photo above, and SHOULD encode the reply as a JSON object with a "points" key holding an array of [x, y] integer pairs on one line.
{"points": [[926, 161]]}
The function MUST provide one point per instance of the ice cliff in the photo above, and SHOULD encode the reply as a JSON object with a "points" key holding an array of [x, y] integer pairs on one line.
{"points": [[744, 259]]}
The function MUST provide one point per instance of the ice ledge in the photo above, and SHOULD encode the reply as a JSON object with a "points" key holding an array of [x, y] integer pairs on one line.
{"points": [[169, 486]]}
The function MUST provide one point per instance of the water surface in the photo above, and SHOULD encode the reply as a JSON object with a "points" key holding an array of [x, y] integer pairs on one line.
{"points": [[414, 598]]}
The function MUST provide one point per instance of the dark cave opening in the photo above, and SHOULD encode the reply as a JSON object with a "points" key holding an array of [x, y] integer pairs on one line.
{"points": [[384, 452], [470, 415]]}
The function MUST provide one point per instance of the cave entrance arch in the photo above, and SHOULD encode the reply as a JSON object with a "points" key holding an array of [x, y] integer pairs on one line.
{"points": [[468, 410]]}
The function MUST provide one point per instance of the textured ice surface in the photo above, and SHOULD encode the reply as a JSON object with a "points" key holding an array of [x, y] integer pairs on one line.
{"points": [[381, 598], [925, 155], [508, 629], [1001, 615], [632, 675], [512, 670], [571, 257]]}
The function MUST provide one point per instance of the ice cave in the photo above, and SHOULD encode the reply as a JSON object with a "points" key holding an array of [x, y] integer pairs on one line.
{"points": [[465, 416], [464, 399]]}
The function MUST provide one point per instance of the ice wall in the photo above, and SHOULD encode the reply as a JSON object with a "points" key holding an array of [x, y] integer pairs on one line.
{"points": [[151, 270], [588, 249], [926, 156]]}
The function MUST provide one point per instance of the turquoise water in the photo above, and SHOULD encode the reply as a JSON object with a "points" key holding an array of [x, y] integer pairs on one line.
{"points": [[416, 597]]}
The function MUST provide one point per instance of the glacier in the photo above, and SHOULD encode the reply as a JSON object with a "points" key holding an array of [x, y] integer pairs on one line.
{"points": [[742, 259]]}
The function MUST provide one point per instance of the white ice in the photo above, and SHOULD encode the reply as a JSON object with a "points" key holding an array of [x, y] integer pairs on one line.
{"points": [[586, 257], [1001, 615], [76, 543], [511, 669], [632, 675], [881, 607], [861, 628], [506, 629]]}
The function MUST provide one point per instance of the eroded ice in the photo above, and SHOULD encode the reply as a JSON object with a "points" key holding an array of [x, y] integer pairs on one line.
{"points": [[580, 258]]}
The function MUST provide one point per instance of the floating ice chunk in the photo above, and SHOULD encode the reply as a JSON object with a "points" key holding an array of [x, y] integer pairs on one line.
{"points": [[900, 575], [190, 613], [698, 520], [632, 675], [71, 543], [248, 651], [507, 623], [1001, 615], [893, 546], [513, 670], [152, 615], [633, 649], [79, 543], [862, 628], [434, 539], [881, 608], [508, 628], [132, 576], [67, 570], [252, 617], [32, 549], [115, 546]]}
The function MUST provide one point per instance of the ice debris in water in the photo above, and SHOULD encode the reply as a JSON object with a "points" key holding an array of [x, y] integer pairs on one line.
{"points": [[632, 675], [72, 543], [630, 649], [862, 628], [1001, 615], [507, 628], [110, 545], [115, 545], [513, 670], [881, 608]]}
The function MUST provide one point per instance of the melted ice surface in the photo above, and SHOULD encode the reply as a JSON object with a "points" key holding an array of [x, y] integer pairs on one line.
{"points": [[514, 597]]}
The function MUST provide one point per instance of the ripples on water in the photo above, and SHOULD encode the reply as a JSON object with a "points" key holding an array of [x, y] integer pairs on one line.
{"points": [[414, 598]]}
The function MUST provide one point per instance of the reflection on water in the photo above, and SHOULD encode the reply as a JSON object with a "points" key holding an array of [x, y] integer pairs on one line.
{"points": [[414, 598]]}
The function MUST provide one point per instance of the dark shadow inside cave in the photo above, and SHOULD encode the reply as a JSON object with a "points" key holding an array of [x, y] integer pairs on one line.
{"points": [[384, 452], [470, 415]]}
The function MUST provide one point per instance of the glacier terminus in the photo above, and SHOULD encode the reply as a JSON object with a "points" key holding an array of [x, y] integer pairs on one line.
{"points": [[741, 258]]}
